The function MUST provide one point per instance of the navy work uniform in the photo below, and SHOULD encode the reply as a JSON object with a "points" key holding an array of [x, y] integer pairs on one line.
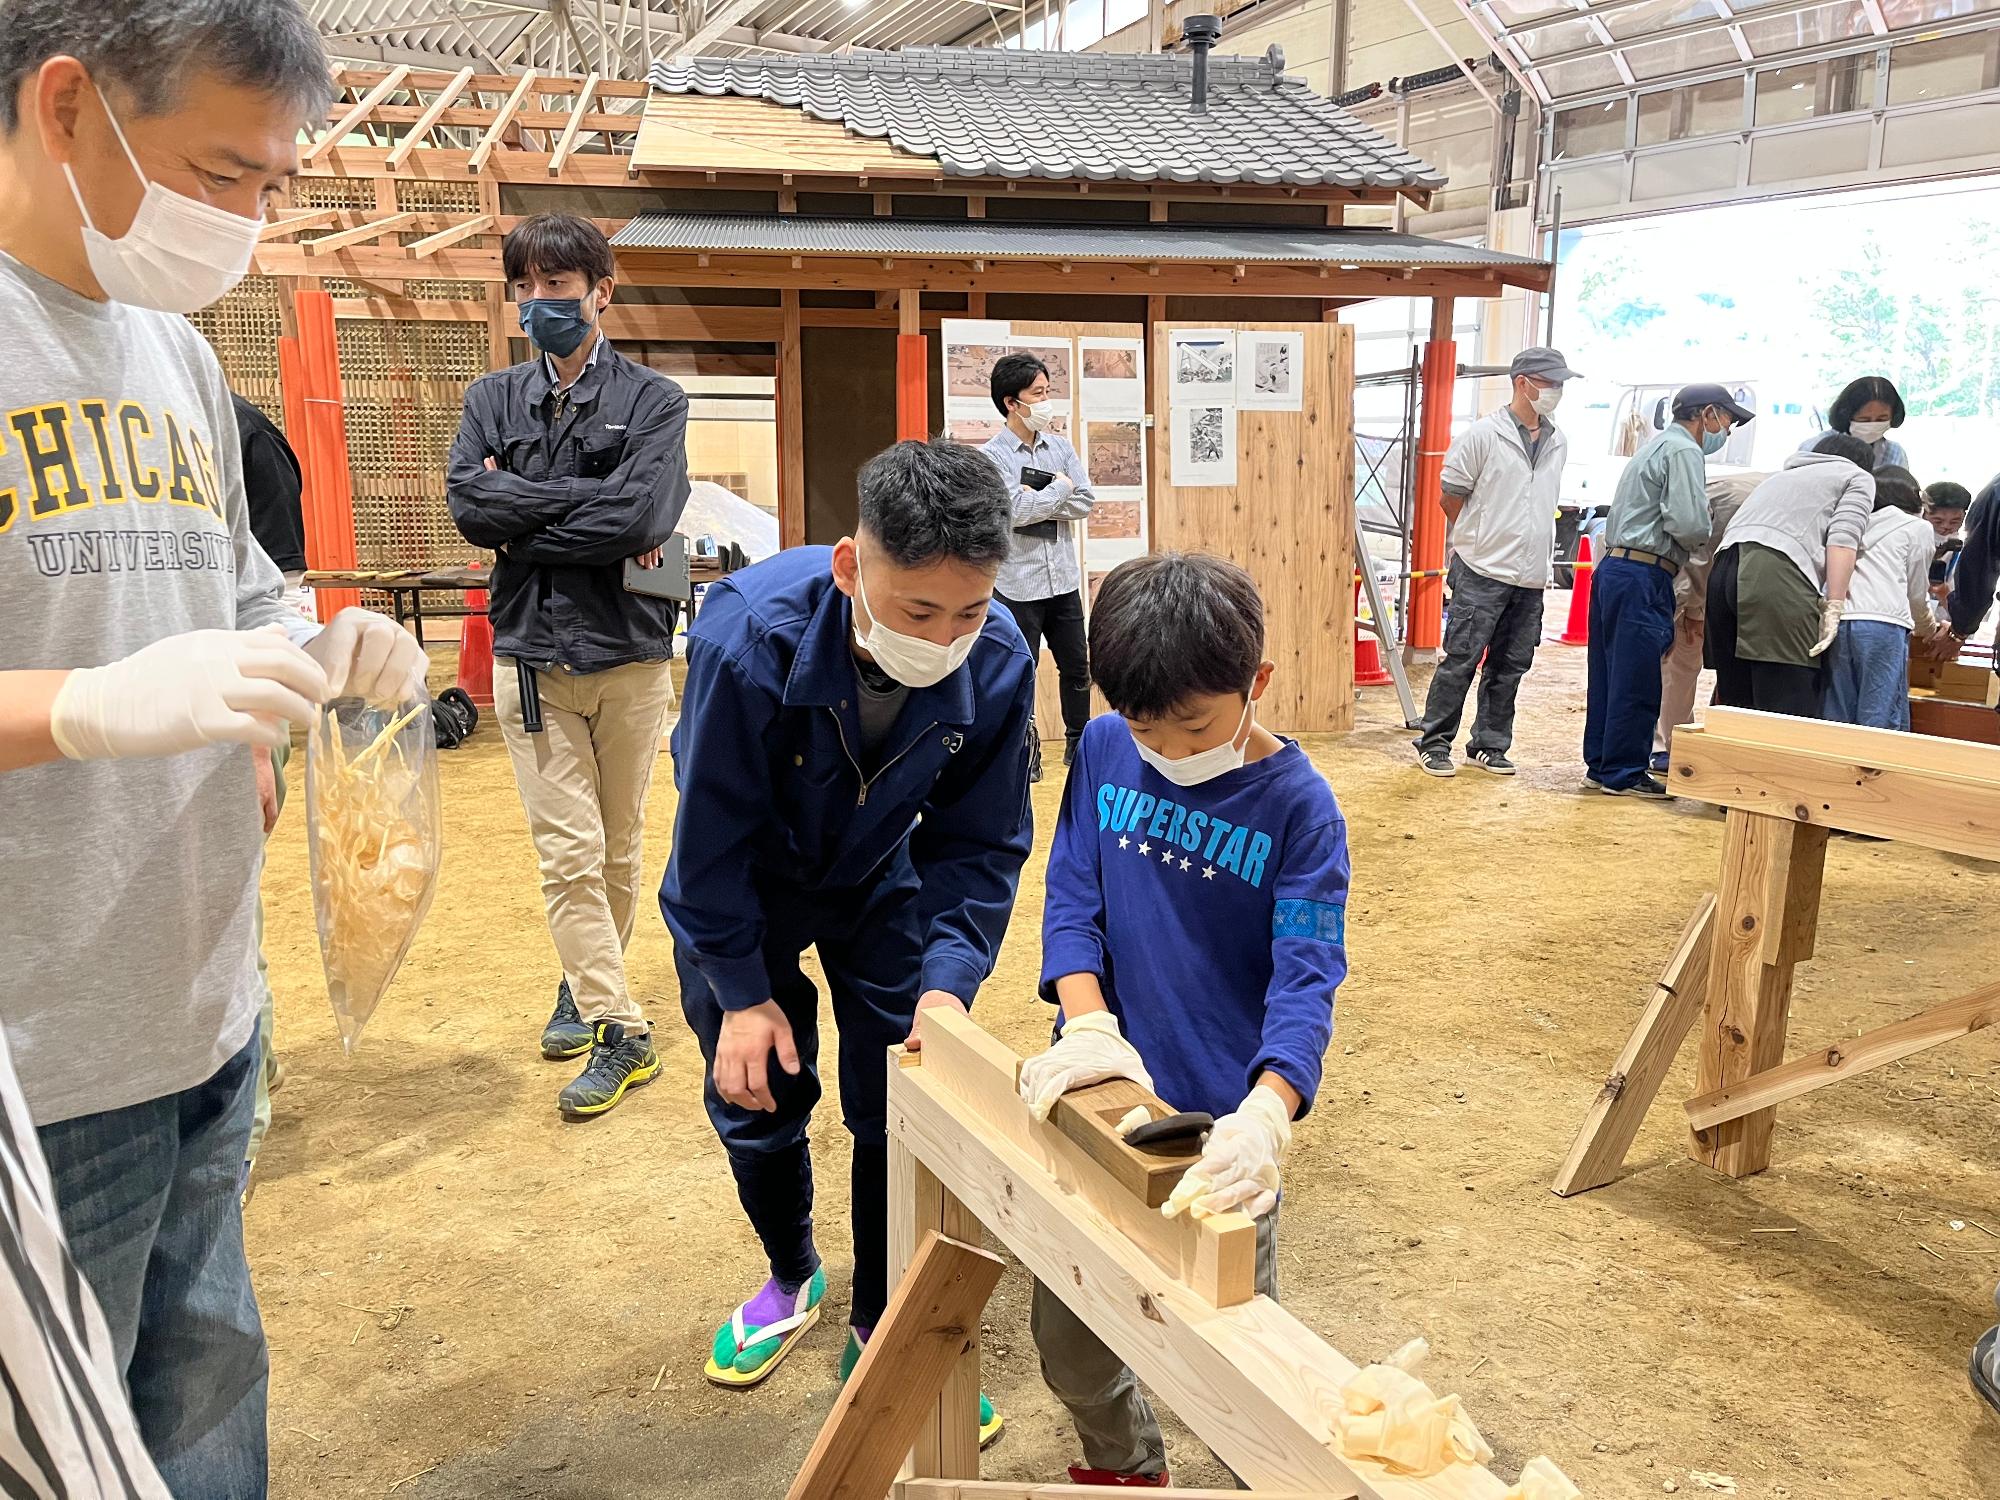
{"points": [[900, 868]]}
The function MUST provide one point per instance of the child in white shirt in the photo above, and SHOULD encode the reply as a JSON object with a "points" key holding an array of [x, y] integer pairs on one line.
{"points": [[1868, 677]]}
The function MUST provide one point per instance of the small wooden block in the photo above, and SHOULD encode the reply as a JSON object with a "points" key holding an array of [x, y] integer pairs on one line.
{"points": [[1090, 1117]]}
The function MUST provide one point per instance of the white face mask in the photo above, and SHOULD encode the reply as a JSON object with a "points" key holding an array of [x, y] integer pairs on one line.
{"points": [[1868, 432], [1039, 415], [910, 659], [1546, 402], [1203, 765], [179, 256]]}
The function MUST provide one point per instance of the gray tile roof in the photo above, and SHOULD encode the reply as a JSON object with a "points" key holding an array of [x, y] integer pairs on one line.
{"points": [[985, 112], [999, 239]]}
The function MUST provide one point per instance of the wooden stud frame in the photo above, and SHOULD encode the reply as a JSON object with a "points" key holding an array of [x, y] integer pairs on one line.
{"points": [[1785, 784], [1254, 1383]]}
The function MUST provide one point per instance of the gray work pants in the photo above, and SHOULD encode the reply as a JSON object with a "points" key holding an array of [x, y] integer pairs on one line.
{"points": [[1505, 623], [1115, 1422]]}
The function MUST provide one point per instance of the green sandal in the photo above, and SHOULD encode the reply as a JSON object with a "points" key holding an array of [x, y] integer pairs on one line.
{"points": [[990, 1421], [744, 1355]]}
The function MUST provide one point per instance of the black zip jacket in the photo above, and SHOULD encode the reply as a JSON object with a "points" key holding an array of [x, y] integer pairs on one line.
{"points": [[582, 481], [1978, 570]]}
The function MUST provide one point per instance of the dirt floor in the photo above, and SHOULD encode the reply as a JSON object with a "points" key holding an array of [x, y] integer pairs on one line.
{"points": [[468, 1298]]}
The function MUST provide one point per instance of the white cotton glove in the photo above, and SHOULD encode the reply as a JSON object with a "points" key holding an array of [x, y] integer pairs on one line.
{"points": [[1090, 1050], [1238, 1170], [369, 656], [206, 687], [1830, 611]]}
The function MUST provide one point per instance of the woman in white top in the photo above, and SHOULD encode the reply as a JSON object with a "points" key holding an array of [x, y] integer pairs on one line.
{"points": [[1868, 678], [1868, 409]]}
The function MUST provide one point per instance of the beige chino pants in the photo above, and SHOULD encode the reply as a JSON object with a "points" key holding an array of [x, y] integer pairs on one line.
{"points": [[583, 783]]}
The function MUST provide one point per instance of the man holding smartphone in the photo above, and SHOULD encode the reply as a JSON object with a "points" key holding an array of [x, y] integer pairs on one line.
{"points": [[568, 466], [1041, 583]]}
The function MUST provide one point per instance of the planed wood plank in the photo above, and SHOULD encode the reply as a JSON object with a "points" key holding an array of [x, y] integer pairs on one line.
{"points": [[1090, 1117], [1771, 873], [1251, 1380], [1951, 813], [476, 163], [445, 238], [1856, 742], [1872, 1049], [980, 1070], [1612, 1122], [947, 1443], [574, 129], [374, 229], [424, 122], [356, 115], [932, 1314], [293, 223]]}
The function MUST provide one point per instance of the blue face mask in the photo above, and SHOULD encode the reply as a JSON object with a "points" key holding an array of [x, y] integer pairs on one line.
{"points": [[1713, 442], [556, 324]]}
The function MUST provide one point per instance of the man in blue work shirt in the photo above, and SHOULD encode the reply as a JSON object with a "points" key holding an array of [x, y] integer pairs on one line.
{"points": [[1658, 516], [1041, 582], [852, 757]]}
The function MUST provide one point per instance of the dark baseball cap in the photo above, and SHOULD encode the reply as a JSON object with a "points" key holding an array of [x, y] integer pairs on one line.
{"points": [[1698, 397], [1543, 363]]}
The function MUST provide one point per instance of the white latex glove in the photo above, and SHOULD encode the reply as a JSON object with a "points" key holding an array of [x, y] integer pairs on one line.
{"points": [[369, 656], [205, 687], [1090, 1050], [1238, 1170], [1830, 611]]}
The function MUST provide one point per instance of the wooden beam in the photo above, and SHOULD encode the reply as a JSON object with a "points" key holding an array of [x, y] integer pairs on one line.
{"points": [[1855, 742], [293, 223], [932, 1318], [1771, 875], [1090, 1116], [356, 115], [1014, 1489], [947, 1444], [1214, 1258], [791, 426], [445, 238], [572, 130], [488, 142], [1615, 1115], [1874, 1049], [429, 118], [909, 311], [374, 229]]}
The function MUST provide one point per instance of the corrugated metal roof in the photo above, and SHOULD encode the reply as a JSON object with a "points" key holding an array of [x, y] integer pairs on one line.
{"points": [[1099, 116], [996, 239]]}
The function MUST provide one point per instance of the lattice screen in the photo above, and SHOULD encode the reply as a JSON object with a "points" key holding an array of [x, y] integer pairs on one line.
{"points": [[333, 192], [243, 329]]}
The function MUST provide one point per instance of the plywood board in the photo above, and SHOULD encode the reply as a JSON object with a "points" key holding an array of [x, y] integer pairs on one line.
{"points": [[1289, 520]]}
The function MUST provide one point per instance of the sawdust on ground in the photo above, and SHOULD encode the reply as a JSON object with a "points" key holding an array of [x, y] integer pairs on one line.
{"points": [[468, 1298]]}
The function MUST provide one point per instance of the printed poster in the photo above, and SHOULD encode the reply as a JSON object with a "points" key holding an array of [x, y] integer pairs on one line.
{"points": [[1111, 423], [972, 346], [1270, 371], [1203, 366], [1203, 446]]}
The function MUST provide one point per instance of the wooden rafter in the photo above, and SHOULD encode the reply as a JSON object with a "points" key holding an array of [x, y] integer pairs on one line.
{"points": [[501, 120], [429, 118], [444, 238], [572, 130], [374, 229], [293, 223], [346, 124]]}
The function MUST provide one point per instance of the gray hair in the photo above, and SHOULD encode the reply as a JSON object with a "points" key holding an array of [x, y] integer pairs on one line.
{"points": [[151, 48]]}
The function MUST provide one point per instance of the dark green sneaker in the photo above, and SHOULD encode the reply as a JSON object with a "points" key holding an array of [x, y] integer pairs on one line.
{"points": [[617, 1063], [567, 1035], [990, 1421]]}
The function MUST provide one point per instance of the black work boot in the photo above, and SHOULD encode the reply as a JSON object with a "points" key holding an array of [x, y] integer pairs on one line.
{"points": [[1070, 742], [617, 1062], [567, 1035]]}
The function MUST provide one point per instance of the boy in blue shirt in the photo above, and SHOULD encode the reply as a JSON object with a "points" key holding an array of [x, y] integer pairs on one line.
{"points": [[1194, 934]]}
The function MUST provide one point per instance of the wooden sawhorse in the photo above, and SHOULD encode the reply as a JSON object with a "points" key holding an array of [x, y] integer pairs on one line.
{"points": [[1785, 783]]}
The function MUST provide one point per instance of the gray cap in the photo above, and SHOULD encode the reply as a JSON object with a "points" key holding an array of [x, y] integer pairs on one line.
{"points": [[1543, 364]]}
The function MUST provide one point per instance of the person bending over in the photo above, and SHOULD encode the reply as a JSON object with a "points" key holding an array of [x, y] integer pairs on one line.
{"points": [[1888, 600]]}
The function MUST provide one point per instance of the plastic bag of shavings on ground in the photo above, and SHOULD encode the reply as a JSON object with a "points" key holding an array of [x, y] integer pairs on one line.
{"points": [[375, 837]]}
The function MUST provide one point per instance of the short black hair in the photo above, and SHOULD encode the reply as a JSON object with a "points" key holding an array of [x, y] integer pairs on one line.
{"points": [[551, 243], [925, 502], [1172, 627], [1013, 374], [1897, 486], [1944, 495], [150, 50], [1840, 445], [1858, 394]]}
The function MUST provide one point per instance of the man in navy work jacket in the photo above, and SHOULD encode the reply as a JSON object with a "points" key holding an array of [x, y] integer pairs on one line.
{"points": [[852, 757]]}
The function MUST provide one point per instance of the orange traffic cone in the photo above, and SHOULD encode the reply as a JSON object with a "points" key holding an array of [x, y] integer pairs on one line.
{"points": [[475, 651], [1578, 632], [1368, 668]]}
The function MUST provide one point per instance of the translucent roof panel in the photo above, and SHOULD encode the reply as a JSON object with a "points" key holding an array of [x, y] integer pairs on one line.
{"points": [[1586, 75], [1637, 22], [1703, 49], [1560, 37], [1776, 35]]}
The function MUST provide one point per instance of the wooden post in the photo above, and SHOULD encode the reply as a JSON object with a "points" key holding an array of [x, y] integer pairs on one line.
{"points": [[791, 426], [947, 1444], [1766, 913], [1427, 527], [913, 401], [499, 335]]}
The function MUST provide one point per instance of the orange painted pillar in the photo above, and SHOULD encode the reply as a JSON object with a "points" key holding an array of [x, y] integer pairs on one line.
{"points": [[913, 397], [329, 498], [1427, 525]]}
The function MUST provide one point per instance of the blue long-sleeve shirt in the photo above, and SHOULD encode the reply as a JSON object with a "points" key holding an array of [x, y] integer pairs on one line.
{"points": [[1214, 916], [774, 807]]}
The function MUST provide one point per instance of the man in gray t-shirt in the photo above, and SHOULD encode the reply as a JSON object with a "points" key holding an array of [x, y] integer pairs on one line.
{"points": [[145, 647]]}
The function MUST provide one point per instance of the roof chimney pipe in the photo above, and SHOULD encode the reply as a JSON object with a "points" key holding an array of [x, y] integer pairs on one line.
{"points": [[1201, 33]]}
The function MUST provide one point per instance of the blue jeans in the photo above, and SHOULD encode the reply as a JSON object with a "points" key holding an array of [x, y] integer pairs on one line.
{"points": [[1868, 679], [148, 1197], [1631, 632]]}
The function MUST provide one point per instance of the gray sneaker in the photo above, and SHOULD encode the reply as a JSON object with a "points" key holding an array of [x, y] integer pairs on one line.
{"points": [[1436, 763], [1494, 761], [1645, 787]]}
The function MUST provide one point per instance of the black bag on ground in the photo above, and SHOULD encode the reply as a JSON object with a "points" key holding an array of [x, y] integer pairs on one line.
{"points": [[456, 716]]}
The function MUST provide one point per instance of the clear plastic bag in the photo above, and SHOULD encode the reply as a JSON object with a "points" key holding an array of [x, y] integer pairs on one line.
{"points": [[376, 837]]}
